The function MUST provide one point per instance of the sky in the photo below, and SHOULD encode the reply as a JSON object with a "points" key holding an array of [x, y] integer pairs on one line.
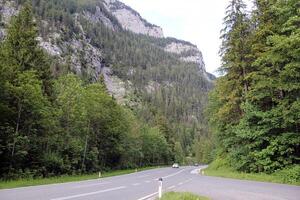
{"points": [[196, 21]]}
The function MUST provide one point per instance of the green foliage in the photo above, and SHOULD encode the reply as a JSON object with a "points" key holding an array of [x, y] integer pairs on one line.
{"points": [[55, 123], [179, 91], [179, 156], [154, 147], [203, 150], [182, 196], [51, 127], [64, 178], [220, 167], [290, 174], [254, 109]]}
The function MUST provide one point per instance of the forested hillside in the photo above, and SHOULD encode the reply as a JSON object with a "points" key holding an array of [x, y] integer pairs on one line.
{"points": [[80, 94], [254, 109]]}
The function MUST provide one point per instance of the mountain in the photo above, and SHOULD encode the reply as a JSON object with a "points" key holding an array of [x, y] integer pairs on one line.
{"points": [[141, 68], [89, 85], [132, 20]]}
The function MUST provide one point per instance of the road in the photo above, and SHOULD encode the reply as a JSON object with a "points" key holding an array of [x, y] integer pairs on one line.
{"points": [[144, 185]]}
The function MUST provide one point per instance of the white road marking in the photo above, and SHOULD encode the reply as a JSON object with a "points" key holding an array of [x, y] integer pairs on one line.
{"points": [[89, 185], [148, 196], [136, 184], [171, 187], [147, 181], [143, 176], [188, 180], [180, 183], [195, 171], [174, 174], [90, 193]]}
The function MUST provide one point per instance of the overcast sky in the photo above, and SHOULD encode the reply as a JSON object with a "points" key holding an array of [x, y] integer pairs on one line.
{"points": [[197, 21]]}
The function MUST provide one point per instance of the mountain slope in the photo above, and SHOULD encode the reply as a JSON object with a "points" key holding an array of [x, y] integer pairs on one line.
{"points": [[155, 76]]}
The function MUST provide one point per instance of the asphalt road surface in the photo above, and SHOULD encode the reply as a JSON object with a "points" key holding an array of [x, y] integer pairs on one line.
{"points": [[144, 185]]}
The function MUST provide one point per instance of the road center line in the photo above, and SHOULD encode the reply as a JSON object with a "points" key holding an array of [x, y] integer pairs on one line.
{"points": [[90, 193], [136, 184]]}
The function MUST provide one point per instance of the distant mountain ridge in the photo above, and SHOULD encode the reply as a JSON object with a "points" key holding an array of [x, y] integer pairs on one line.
{"points": [[107, 37]]}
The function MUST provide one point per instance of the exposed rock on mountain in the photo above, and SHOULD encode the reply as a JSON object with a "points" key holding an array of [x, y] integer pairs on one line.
{"points": [[131, 20], [107, 38], [7, 9], [187, 52]]}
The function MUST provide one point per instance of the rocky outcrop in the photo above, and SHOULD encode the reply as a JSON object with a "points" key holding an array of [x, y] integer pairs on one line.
{"points": [[7, 10], [99, 17], [86, 59], [131, 20], [187, 53]]}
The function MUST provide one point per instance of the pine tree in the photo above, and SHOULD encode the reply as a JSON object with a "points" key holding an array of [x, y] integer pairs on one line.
{"points": [[21, 51], [270, 125]]}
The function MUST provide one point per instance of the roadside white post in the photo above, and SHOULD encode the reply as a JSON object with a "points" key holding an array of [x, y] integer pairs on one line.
{"points": [[160, 180], [99, 174]]}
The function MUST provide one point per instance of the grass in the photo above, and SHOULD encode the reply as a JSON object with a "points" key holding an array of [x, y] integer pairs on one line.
{"points": [[182, 196], [65, 178], [283, 176]]}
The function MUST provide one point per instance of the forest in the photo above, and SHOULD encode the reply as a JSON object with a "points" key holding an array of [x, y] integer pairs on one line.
{"points": [[254, 109], [54, 122]]}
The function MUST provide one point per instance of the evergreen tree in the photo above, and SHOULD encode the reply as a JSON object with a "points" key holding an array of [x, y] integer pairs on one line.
{"points": [[253, 114]]}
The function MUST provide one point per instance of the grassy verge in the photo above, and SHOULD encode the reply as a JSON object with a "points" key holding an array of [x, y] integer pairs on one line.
{"points": [[286, 176], [182, 196], [65, 179]]}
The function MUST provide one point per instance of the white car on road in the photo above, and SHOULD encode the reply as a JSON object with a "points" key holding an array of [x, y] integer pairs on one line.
{"points": [[175, 165]]}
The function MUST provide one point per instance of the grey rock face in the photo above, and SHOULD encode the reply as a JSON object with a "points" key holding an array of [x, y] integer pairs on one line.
{"points": [[7, 10], [188, 53], [87, 59], [97, 17], [131, 20]]}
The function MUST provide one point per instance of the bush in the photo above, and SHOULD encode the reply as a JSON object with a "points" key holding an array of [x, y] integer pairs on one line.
{"points": [[219, 163], [290, 174]]}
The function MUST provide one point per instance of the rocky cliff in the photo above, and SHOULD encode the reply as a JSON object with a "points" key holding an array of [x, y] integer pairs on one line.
{"points": [[87, 55], [132, 20]]}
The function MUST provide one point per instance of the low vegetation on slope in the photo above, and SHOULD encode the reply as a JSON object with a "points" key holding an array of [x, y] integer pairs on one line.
{"points": [[182, 196], [220, 167]]}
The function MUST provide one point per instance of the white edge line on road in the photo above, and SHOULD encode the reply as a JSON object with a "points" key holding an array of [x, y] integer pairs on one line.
{"points": [[136, 184], [90, 193], [148, 196]]}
